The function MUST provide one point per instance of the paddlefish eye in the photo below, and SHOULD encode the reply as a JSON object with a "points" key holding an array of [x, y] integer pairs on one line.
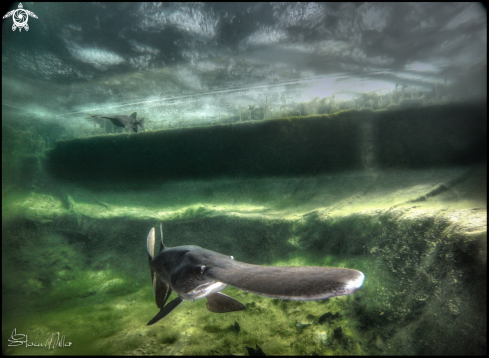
{"points": [[200, 271]]}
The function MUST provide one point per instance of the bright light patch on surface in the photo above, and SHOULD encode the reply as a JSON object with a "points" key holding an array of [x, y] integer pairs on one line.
{"points": [[344, 88], [421, 67], [96, 57]]}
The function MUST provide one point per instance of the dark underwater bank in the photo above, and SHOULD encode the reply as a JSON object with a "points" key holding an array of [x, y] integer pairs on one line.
{"points": [[433, 136]]}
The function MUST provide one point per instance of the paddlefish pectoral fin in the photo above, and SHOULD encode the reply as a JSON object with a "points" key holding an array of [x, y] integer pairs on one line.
{"points": [[289, 283], [221, 303], [165, 310]]}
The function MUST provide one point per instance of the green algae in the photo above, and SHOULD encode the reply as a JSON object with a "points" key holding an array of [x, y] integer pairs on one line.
{"points": [[113, 321], [105, 321], [90, 280]]}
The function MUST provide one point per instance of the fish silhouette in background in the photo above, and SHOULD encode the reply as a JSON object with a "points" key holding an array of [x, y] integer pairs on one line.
{"points": [[194, 272], [128, 122]]}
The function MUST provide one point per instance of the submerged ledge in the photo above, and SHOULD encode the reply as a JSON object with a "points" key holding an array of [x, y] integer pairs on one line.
{"points": [[411, 138]]}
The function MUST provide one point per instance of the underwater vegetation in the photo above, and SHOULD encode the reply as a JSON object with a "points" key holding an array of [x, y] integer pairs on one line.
{"points": [[104, 311], [74, 262], [107, 314]]}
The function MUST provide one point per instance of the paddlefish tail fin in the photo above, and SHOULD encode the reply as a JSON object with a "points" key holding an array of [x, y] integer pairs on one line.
{"points": [[141, 123]]}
